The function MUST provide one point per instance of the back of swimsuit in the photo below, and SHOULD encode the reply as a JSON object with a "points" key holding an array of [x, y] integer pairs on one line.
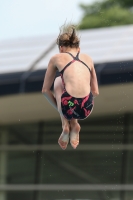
{"points": [[78, 108], [74, 59]]}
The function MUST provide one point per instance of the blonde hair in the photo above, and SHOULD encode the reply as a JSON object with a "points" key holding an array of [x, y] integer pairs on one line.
{"points": [[68, 36]]}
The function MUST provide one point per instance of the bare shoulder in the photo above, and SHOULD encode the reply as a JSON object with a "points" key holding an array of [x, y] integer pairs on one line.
{"points": [[54, 59], [86, 56]]}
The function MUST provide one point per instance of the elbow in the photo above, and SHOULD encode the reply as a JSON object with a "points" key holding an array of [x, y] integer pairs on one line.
{"points": [[44, 91], [96, 93]]}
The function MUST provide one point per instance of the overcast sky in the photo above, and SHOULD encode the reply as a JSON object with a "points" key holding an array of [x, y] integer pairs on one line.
{"points": [[25, 18]]}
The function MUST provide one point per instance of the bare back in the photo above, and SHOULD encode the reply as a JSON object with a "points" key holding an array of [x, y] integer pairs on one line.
{"points": [[77, 76]]}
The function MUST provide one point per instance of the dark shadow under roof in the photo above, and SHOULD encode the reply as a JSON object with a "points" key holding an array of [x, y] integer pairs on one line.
{"points": [[107, 73]]}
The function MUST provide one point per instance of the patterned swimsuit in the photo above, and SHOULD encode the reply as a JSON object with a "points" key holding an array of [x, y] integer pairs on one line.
{"points": [[73, 107]]}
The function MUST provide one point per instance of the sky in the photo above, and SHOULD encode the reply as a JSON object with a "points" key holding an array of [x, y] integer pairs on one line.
{"points": [[27, 18]]}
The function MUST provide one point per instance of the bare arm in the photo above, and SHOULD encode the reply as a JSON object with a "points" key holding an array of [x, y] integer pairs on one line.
{"points": [[94, 83], [48, 81]]}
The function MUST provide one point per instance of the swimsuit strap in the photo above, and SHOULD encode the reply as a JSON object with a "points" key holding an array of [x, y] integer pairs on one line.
{"points": [[76, 58], [85, 65]]}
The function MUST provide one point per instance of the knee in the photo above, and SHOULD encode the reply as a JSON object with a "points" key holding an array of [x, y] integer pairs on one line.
{"points": [[57, 81], [58, 86]]}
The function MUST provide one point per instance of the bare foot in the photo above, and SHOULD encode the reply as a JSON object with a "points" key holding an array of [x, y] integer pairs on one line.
{"points": [[64, 138], [74, 135]]}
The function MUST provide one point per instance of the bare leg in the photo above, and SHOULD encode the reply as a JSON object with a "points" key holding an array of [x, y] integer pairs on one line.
{"points": [[74, 133], [64, 137]]}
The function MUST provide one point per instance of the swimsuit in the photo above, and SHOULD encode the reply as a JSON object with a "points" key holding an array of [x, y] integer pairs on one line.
{"points": [[73, 107]]}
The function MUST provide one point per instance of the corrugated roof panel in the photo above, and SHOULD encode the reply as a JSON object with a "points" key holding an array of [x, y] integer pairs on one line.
{"points": [[18, 55], [102, 44], [44, 62]]}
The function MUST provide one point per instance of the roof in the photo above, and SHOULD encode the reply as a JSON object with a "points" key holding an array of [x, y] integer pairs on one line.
{"points": [[27, 60], [104, 45]]}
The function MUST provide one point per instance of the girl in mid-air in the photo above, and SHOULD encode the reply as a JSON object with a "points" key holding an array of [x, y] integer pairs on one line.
{"points": [[74, 89]]}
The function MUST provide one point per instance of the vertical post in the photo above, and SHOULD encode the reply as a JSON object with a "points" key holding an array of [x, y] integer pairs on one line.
{"points": [[3, 163], [125, 156], [38, 160]]}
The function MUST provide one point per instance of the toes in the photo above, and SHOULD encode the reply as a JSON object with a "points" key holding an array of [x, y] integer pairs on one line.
{"points": [[62, 144], [74, 135], [74, 144], [64, 137], [63, 140]]}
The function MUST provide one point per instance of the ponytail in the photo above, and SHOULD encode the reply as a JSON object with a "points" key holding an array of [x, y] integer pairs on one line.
{"points": [[68, 37]]}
